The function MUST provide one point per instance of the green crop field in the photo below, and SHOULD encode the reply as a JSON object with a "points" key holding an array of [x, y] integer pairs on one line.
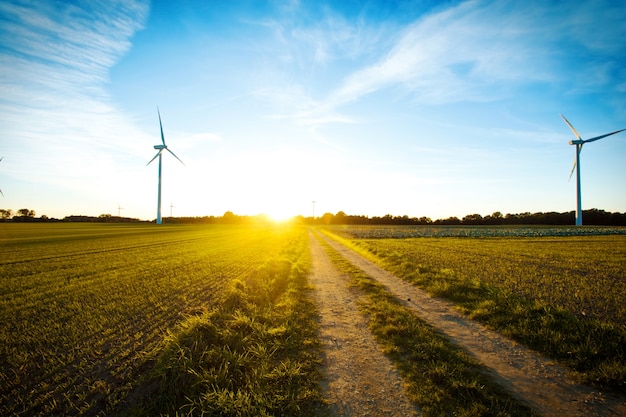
{"points": [[561, 291], [134, 319], [85, 309]]}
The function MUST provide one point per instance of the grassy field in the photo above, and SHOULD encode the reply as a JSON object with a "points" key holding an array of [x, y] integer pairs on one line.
{"points": [[105, 319], [562, 295], [89, 311]]}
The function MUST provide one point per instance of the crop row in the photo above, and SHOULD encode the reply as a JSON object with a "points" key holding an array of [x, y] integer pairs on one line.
{"points": [[254, 353], [402, 232], [83, 307]]}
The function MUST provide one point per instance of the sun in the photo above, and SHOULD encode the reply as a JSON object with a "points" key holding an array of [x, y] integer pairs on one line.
{"points": [[279, 215]]}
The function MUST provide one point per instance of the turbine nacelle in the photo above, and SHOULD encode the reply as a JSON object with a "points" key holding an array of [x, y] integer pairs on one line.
{"points": [[571, 142], [160, 147]]}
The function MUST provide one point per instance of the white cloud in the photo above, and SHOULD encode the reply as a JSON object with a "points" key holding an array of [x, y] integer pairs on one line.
{"points": [[480, 51], [446, 57], [57, 115]]}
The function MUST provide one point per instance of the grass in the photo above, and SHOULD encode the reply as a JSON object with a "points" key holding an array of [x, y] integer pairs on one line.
{"points": [[561, 296], [85, 308], [441, 378], [254, 354]]}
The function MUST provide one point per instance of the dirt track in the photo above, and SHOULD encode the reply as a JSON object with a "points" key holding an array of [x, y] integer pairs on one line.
{"points": [[351, 353], [360, 380]]}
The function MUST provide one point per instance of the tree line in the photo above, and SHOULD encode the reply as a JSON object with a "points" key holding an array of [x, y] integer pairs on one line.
{"points": [[26, 215], [594, 217]]}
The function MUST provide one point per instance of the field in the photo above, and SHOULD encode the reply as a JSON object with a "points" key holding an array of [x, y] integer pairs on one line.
{"points": [[106, 319], [86, 309], [561, 293]]}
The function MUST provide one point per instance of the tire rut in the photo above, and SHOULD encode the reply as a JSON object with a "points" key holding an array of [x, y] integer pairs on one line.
{"points": [[531, 378], [359, 379]]}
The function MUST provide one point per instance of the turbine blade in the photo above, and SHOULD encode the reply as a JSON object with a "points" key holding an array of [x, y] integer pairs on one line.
{"points": [[168, 149], [2, 193], [572, 171], [603, 136], [155, 157], [571, 127], [161, 126]]}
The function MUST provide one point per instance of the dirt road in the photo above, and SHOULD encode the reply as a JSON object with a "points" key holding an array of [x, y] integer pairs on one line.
{"points": [[360, 380], [356, 388]]}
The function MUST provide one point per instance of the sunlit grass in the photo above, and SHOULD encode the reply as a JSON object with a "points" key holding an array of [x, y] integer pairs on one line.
{"points": [[255, 353], [84, 307]]}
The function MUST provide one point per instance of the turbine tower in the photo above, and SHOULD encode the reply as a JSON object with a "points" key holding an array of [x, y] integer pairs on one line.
{"points": [[161, 147], [579, 142]]}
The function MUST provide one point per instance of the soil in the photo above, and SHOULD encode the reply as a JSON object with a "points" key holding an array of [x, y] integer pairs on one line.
{"points": [[361, 381]]}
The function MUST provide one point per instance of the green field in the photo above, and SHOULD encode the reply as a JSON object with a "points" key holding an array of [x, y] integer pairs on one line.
{"points": [[188, 319], [562, 295], [87, 308]]}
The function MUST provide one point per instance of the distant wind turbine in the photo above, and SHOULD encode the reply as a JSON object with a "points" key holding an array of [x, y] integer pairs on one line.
{"points": [[161, 147], [579, 142], [119, 209], [171, 207]]}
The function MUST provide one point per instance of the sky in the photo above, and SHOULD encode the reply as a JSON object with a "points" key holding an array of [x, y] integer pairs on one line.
{"points": [[419, 108]]}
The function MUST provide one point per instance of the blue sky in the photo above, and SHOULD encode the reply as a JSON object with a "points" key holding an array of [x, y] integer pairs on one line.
{"points": [[423, 108]]}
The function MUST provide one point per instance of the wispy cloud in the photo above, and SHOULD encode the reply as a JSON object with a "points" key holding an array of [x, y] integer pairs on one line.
{"points": [[453, 55], [62, 45], [309, 47], [56, 58], [481, 51]]}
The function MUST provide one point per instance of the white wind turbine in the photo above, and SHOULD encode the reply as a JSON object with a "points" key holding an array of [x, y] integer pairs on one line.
{"points": [[161, 147], [579, 142]]}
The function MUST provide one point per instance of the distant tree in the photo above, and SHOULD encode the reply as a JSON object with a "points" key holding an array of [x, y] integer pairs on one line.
{"points": [[6, 214], [387, 219], [340, 218], [450, 221], [327, 218], [472, 219], [26, 212], [229, 217]]}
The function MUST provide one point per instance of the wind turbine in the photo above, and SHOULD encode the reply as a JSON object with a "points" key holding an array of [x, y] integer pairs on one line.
{"points": [[161, 148], [119, 209], [579, 142]]}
